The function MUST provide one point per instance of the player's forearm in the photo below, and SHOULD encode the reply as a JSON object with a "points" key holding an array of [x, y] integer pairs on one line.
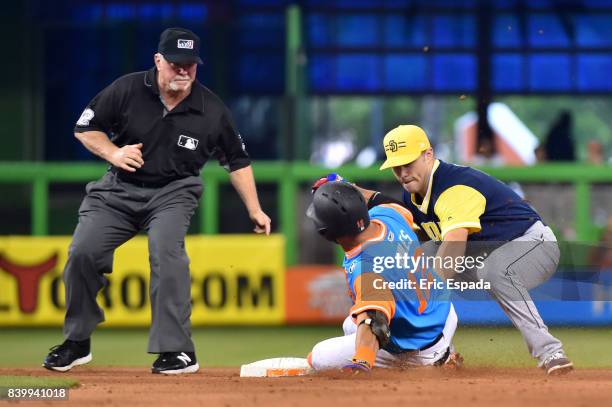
{"points": [[453, 246], [375, 198], [367, 193], [365, 339], [98, 143], [244, 183]]}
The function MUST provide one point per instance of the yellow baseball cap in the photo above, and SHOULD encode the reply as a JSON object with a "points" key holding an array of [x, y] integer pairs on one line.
{"points": [[403, 145]]}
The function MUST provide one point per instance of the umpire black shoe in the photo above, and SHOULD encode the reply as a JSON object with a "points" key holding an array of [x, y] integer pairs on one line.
{"points": [[175, 363], [557, 364], [68, 355]]}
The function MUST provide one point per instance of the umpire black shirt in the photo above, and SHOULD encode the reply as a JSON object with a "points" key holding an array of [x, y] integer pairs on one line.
{"points": [[176, 144]]}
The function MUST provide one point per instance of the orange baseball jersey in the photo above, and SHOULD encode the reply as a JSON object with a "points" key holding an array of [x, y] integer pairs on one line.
{"points": [[416, 314]]}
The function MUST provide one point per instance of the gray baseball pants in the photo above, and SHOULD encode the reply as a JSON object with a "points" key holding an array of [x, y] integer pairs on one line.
{"points": [[513, 269], [113, 212]]}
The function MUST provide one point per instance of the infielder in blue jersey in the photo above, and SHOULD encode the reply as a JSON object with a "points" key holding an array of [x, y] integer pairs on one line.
{"points": [[409, 325], [460, 207]]}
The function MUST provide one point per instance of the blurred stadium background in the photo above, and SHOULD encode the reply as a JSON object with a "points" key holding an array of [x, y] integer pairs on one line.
{"points": [[519, 88]]}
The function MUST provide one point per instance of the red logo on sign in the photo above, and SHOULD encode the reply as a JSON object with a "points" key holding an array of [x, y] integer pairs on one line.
{"points": [[28, 280]]}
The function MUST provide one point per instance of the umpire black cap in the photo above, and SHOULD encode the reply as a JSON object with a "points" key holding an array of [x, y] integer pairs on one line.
{"points": [[180, 45], [338, 209]]}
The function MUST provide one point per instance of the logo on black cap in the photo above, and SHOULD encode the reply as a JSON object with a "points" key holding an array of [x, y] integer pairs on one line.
{"points": [[180, 45], [186, 44]]}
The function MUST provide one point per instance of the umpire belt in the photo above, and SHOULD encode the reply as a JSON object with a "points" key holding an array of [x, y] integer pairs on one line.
{"points": [[154, 184]]}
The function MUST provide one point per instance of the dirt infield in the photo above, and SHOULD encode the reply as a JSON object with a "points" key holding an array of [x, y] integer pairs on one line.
{"points": [[224, 387]]}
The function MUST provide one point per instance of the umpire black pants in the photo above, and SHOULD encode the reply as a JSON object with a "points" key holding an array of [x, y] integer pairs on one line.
{"points": [[112, 213]]}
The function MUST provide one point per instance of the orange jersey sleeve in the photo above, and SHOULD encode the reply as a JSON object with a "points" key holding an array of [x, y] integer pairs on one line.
{"points": [[369, 296]]}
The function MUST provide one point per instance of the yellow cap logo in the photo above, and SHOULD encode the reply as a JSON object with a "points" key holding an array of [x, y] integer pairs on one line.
{"points": [[403, 145], [393, 145]]}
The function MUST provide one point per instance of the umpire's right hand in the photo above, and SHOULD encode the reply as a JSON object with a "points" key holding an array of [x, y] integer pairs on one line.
{"points": [[128, 158]]}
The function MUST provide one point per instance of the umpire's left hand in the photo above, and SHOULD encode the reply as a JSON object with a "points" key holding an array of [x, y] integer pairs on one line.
{"points": [[262, 222]]}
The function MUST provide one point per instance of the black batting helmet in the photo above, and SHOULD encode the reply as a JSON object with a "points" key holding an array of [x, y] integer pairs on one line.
{"points": [[338, 209]]}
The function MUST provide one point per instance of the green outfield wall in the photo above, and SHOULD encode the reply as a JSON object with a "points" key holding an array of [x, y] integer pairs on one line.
{"points": [[290, 177]]}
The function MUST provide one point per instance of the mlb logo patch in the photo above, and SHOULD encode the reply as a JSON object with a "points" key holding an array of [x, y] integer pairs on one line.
{"points": [[352, 267], [86, 117], [185, 44], [361, 225], [242, 142], [187, 142]]}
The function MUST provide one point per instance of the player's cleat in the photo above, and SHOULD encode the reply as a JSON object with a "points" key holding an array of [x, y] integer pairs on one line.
{"points": [[68, 355], [557, 364], [357, 367], [175, 363], [454, 361]]}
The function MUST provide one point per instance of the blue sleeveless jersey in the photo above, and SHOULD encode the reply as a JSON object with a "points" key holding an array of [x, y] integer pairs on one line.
{"points": [[463, 197], [417, 316]]}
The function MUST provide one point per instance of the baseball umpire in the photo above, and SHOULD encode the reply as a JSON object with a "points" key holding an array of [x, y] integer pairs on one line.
{"points": [[465, 209], [390, 328], [157, 129]]}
